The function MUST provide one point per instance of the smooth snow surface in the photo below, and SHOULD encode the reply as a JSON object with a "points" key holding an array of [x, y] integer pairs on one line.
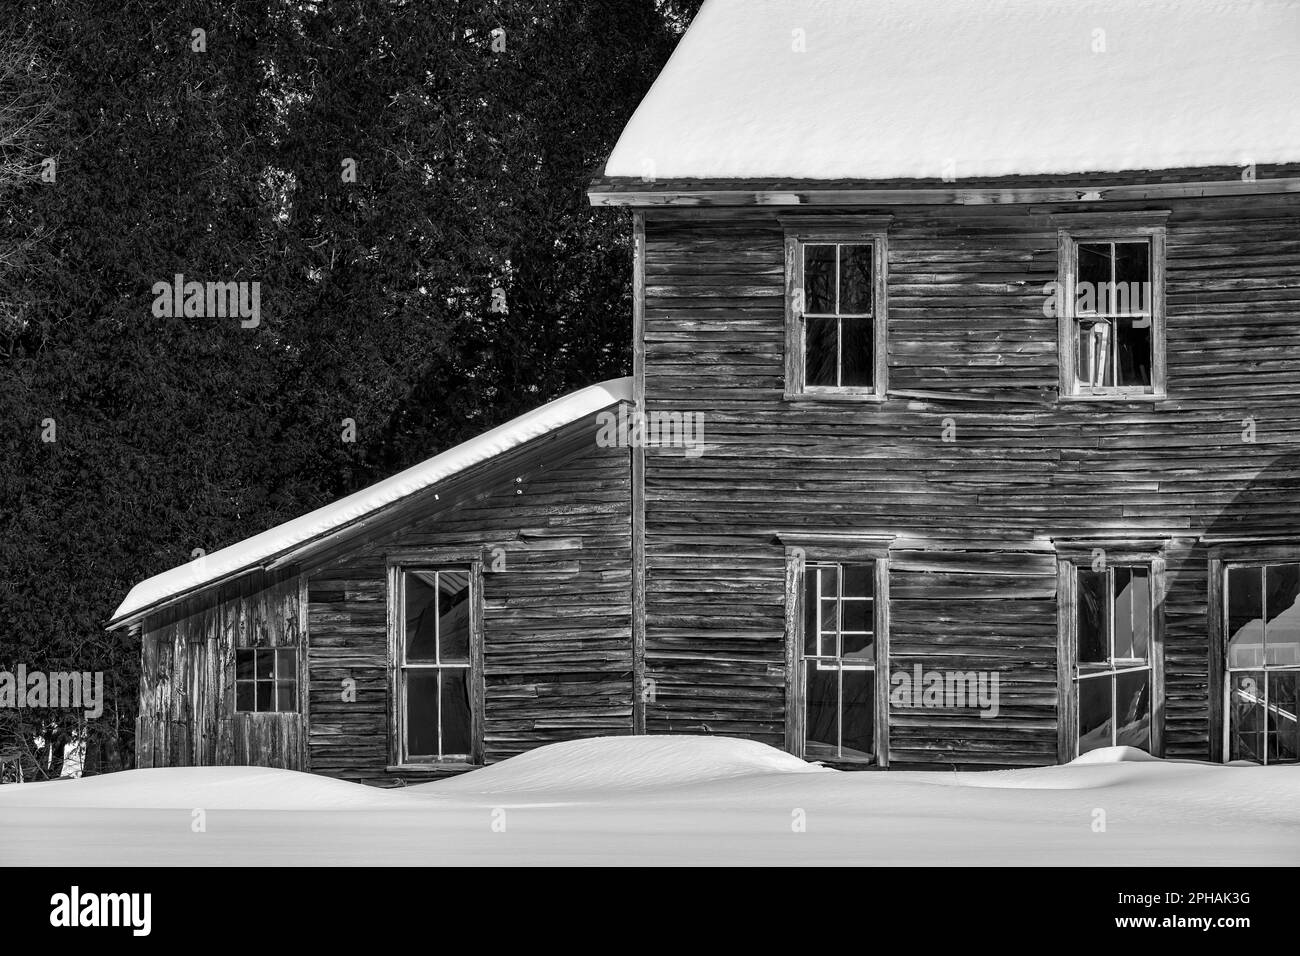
{"points": [[969, 88], [627, 763], [251, 552], [649, 800]]}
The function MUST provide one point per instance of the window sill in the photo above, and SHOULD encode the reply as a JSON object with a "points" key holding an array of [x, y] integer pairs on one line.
{"points": [[1118, 397], [866, 398], [431, 768]]}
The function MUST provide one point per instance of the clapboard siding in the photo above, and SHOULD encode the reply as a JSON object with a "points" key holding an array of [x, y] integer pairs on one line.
{"points": [[971, 348], [557, 615]]}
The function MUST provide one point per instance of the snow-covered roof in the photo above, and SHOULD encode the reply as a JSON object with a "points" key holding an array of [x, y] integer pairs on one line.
{"points": [[899, 89], [255, 551]]}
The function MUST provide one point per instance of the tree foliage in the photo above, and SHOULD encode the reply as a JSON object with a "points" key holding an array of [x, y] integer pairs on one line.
{"points": [[459, 280]]}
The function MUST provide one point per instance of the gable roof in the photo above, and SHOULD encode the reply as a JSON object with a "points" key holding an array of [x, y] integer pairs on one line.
{"points": [[934, 89], [251, 553]]}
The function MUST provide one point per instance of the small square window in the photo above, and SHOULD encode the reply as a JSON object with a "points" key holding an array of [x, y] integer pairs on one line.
{"points": [[266, 680]]}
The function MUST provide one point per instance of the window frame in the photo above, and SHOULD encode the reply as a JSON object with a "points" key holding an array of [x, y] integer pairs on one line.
{"points": [[801, 232], [1089, 228], [798, 559], [398, 566], [1069, 562], [275, 680], [1223, 558]]}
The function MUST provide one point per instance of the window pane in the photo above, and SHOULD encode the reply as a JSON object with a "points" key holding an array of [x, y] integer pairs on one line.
{"points": [[286, 696], [821, 706], [821, 352], [1133, 709], [819, 280], [1096, 366], [455, 711], [858, 734], [453, 610], [265, 695], [1134, 351], [1245, 617], [830, 580], [421, 616], [830, 626], [1093, 277], [244, 663], [1132, 613], [1246, 716], [265, 657], [858, 581], [855, 280], [1282, 635], [1094, 713], [1132, 277], [858, 352], [286, 662], [856, 617], [1283, 730], [244, 696], [422, 713], [1091, 599]]}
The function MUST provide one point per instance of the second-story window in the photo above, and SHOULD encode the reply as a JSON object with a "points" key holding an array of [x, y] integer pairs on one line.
{"points": [[1111, 312], [835, 311]]}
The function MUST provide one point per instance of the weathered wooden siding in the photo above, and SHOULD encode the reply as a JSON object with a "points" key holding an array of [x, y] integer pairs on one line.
{"points": [[557, 602], [969, 339], [187, 695]]}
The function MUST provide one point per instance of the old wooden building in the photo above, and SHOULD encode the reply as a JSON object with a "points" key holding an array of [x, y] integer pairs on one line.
{"points": [[959, 434]]}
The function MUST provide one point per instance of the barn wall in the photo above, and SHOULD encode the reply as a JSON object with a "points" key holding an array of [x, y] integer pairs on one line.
{"points": [[187, 697], [968, 329], [553, 530]]}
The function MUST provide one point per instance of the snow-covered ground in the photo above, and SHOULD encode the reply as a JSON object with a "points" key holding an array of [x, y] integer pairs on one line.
{"points": [[668, 800]]}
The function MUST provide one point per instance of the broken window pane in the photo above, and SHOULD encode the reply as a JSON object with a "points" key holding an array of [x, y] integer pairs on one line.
{"points": [[1091, 600], [1245, 617], [855, 279], [819, 279], [1133, 709], [453, 615], [421, 616], [1282, 634], [1093, 353], [1132, 613], [821, 352]]}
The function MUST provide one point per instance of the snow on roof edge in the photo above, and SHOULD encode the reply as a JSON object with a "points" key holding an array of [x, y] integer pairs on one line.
{"points": [[252, 552]]}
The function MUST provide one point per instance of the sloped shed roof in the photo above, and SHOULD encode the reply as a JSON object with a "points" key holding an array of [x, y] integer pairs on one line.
{"points": [[255, 551]]}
